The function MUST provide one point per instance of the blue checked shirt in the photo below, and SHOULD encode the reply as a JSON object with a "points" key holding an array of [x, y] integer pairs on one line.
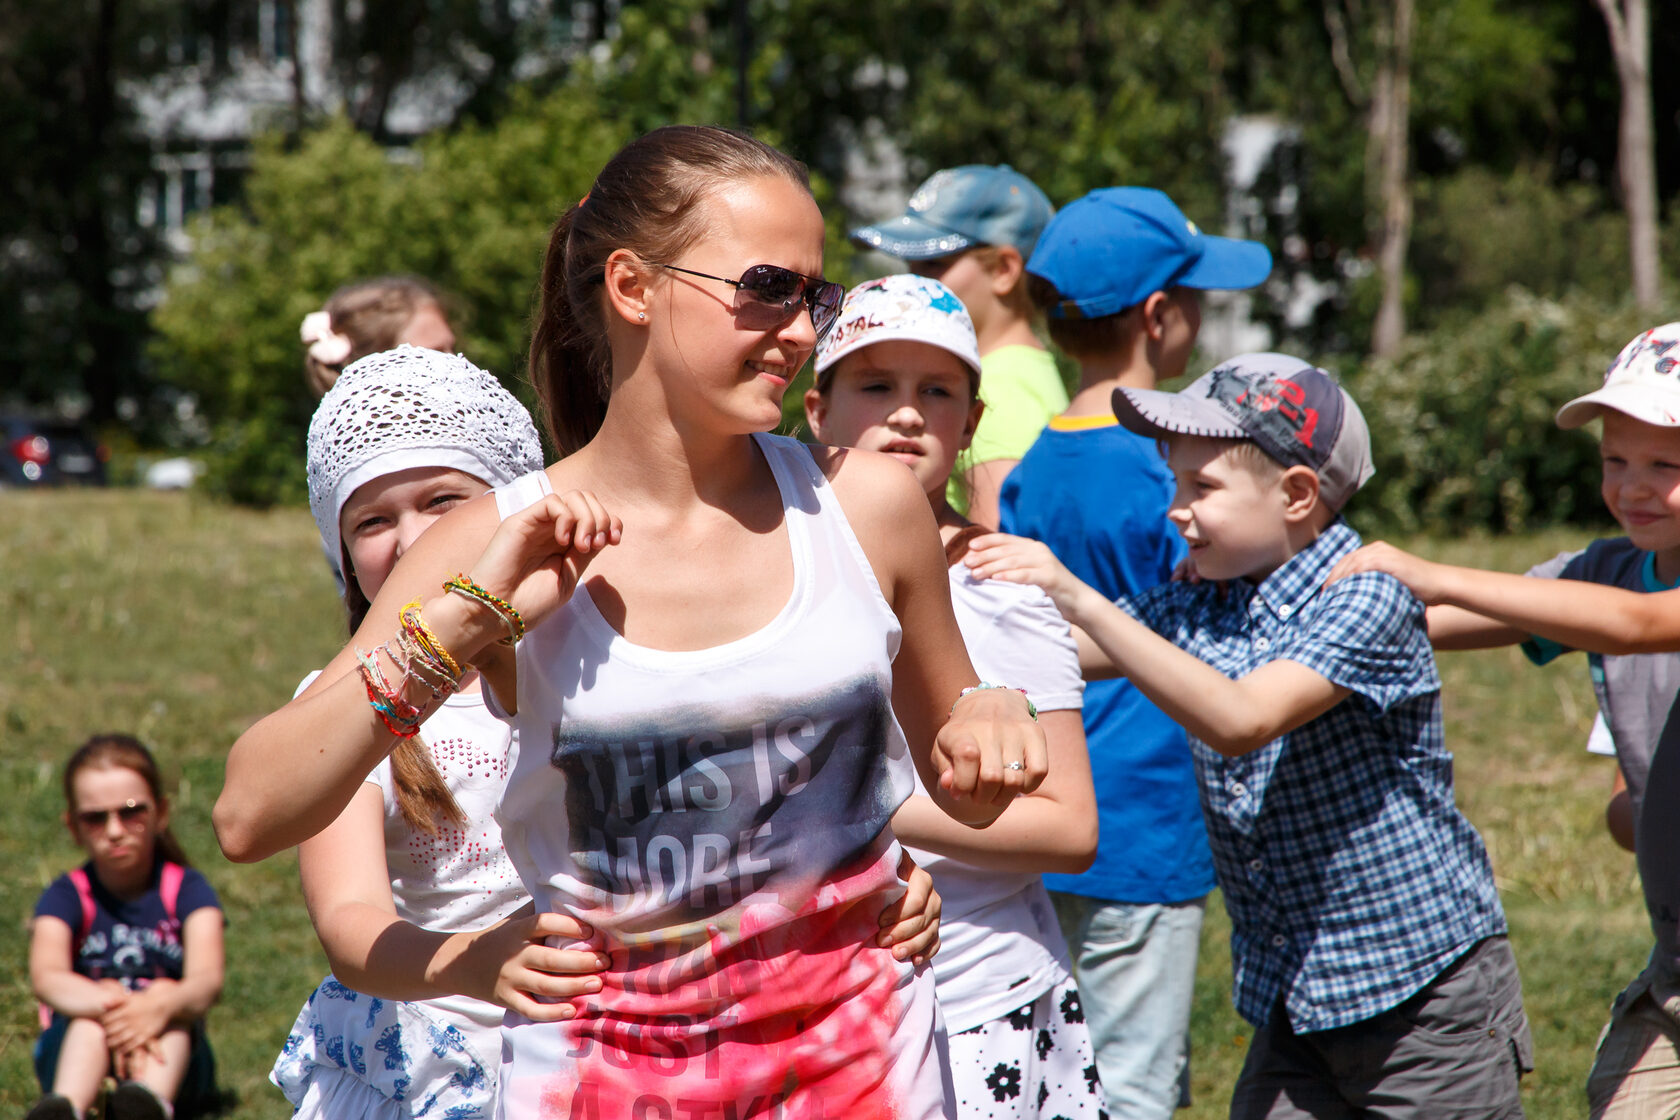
{"points": [[1351, 877]]}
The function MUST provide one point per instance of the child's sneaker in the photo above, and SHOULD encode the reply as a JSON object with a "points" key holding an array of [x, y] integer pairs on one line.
{"points": [[133, 1101], [53, 1106]]}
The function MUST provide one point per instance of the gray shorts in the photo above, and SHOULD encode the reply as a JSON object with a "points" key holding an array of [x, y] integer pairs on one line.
{"points": [[1454, 1051]]}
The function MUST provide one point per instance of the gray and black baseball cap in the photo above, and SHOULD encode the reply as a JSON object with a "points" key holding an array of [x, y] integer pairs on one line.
{"points": [[1293, 410]]}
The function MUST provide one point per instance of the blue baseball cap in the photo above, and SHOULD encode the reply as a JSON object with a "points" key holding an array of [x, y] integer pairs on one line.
{"points": [[962, 207], [1112, 248]]}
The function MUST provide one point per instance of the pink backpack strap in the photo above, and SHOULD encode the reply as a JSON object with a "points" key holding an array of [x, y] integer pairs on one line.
{"points": [[84, 892], [169, 888]]}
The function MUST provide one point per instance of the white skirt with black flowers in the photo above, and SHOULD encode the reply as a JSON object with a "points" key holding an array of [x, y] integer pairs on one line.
{"points": [[1035, 1062]]}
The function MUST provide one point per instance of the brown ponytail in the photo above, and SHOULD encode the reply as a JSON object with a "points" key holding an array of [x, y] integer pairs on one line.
{"points": [[647, 199]]}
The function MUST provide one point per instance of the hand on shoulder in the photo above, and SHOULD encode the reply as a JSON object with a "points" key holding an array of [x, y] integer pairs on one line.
{"points": [[1421, 577]]}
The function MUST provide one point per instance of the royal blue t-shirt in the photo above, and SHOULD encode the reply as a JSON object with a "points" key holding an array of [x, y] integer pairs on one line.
{"points": [[1098, 496], [133, 941]]}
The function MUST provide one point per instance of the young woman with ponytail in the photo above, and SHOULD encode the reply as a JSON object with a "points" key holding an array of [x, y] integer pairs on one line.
{"points": [[729, 651]]}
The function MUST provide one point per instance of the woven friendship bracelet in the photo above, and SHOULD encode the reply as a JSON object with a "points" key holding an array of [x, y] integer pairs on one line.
{"points": [[418, 664], [464, 586], [400, 718], [427, 644], [1032, 709]]}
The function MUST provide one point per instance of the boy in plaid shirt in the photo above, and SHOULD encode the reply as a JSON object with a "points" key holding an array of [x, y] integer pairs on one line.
{"points": [[1368, 944]]}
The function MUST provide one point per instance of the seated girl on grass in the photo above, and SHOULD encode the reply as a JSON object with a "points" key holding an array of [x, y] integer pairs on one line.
{"points": [[125, 951]]}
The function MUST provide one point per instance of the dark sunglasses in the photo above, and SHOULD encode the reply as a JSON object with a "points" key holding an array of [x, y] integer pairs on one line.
{"points": [[770, 295], [130, 815]]}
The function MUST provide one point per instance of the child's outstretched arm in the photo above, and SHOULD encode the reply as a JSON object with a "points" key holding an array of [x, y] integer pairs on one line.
{"points": [[1455, 628], [347, 888], [1231, 716], [291, 773], [1578, 614]]}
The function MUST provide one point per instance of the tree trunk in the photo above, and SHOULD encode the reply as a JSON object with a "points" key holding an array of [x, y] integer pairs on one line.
{"points": [[300, 104], [91, 262], [1629, 24], [1390, 120]]}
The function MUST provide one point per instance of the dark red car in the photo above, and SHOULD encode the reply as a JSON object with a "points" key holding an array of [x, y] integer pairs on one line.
{"points": [[38, 452]]}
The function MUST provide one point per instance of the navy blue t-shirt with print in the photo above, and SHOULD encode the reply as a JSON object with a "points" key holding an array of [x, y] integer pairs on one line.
{"points": [[133, 941]]}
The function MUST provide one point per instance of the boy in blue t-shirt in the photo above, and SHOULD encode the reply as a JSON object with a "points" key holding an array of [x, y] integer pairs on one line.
{"points": [[1368, 944], [1117, 273]]}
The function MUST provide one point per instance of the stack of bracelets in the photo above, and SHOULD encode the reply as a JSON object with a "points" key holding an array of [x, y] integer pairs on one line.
{"points": [[422, 657]]}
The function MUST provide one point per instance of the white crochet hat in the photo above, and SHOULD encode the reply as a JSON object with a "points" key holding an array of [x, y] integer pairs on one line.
{"points": [[406, 408]]}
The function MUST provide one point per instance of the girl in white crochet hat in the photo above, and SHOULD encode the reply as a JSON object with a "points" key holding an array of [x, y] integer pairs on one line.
{"points": [[415, 862], [728, 649]]}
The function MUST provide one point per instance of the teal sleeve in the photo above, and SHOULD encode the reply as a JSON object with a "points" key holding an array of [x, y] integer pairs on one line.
{"points": [[1542, 651]]}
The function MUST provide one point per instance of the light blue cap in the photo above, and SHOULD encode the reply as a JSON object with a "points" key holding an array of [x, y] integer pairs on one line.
{"points": [[960, 208]]}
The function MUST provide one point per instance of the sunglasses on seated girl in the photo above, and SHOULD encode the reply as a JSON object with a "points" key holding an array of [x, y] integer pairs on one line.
{"points": [[130, 814], [770, 295]]}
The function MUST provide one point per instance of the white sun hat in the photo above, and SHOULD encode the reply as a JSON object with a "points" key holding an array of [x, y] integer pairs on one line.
{"points": [[901, 308], [1643, 382]]}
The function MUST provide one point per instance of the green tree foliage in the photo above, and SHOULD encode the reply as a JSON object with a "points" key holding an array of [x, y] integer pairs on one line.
{"points": [[468, 210], [1483, 75], [74, 264], [479, 49], [1509, 183], [1462, 420], [1479, 232], [1074, 95]]}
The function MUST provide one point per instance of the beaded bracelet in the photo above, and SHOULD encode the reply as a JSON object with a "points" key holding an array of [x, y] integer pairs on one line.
{"points": [[1032, 709], [430, 650], [464, 585]]}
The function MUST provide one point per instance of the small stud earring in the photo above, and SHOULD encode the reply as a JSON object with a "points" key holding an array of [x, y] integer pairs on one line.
{"points": [[642, 315]]}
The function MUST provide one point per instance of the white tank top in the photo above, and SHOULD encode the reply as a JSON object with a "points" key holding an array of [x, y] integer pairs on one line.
{"points": [[721, 817]]}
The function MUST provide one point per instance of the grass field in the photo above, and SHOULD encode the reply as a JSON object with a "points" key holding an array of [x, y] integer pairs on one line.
{"points": [[182, 621]]}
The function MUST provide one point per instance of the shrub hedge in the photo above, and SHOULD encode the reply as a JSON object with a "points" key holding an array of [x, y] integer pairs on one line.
{"points": [[1462, 419]]}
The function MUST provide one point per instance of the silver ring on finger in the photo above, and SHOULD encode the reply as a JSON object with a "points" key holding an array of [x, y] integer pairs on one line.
{"points": [[1015, 764]]}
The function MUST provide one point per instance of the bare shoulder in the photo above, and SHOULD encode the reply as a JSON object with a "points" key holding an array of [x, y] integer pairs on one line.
{"points": [[874, 489], [888, 513]]}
